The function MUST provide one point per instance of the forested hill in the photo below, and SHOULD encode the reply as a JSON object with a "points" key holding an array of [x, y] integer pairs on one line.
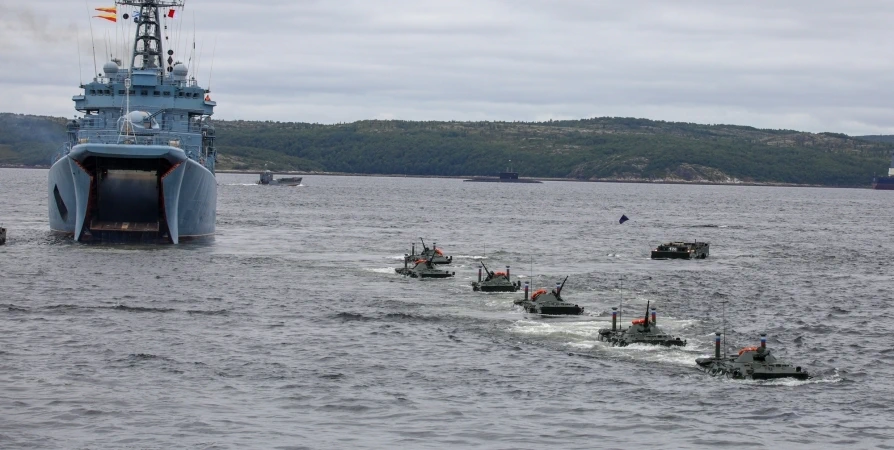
{"points": [[589, 149]]}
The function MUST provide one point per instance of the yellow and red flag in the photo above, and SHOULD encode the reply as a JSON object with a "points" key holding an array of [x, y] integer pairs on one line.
{"points": [[108, 9], [109, 17]]}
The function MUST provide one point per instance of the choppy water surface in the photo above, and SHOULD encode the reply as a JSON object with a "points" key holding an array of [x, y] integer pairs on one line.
{"points": [[291, 330]]}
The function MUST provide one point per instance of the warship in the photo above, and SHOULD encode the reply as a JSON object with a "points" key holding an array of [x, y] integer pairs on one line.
{"points": [[435, 254], [267, 179], [495, 281], [641, 331], [139, 164], [422, 268], [681, 250], [548, 303], [754, 363]]}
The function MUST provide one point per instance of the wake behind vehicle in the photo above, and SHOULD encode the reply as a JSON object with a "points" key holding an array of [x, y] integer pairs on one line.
{"points": [[139, 165], [548, 302], [751, 363], [641, 331], [495, 281], [681, 250]]}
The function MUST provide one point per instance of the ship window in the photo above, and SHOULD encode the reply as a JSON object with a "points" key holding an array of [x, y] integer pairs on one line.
{"points": [[156, 93], [92, 92], [132, 92], [179, 94], [108, 92], [120, 91], [167, 94], [144, 92]]}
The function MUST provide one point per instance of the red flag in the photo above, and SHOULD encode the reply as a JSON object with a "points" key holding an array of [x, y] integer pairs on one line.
{"points": [[171, 13]]}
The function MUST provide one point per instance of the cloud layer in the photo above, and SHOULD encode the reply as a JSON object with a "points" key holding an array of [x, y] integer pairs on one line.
{"points": [[813, 65]]}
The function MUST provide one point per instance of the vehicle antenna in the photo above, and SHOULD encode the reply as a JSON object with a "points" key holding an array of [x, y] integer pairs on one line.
{"points": [[92, 41], [80, 71], [211, 71], [723, 326]]}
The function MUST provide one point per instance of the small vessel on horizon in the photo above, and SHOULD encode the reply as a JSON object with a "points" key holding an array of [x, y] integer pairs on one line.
{"points": [[885, 183], [139, 164], [509, 176], [267, 179]]}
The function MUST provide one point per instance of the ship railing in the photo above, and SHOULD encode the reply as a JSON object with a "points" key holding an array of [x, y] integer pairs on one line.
{"points": [[112, 137], [167, 122]]}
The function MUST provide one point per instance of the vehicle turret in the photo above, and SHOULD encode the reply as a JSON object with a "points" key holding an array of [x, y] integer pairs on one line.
{"points": [[436, 254], [549, 302], [495, 281]]}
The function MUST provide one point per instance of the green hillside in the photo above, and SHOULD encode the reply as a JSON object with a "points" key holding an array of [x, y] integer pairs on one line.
{"points": [[589, 149]]}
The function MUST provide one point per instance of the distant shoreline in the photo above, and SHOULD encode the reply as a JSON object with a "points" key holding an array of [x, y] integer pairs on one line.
{"points": [[607, 180]]}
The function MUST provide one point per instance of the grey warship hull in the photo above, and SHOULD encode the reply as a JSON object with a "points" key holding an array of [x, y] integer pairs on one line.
{"points": [[131, 192]]}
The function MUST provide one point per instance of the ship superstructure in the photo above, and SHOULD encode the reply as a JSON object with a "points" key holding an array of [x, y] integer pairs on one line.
{"points": [[140, 162]]}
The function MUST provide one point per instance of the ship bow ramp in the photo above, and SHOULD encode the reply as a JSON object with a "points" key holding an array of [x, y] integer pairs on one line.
{"points": [[127, 192]]}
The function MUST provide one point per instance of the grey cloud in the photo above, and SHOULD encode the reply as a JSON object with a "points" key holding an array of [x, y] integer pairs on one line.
{"points": [[812, 65]]}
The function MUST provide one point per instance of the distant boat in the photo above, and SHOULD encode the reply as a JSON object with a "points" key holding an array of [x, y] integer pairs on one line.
{"points": [[885, 183], [2, 235], [509, 176], [267, 179]]}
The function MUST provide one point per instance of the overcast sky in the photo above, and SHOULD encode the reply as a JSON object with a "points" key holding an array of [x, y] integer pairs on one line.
{"points": [[811, 65]]}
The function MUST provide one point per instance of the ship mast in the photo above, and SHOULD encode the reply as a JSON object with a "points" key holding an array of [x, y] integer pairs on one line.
{"points": [[147, 44]]}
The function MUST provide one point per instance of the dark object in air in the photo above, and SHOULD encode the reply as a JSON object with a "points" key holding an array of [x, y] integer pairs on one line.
{"points": [[623, 219], [642, 331], [268, 180], [435, 254], [495, 281], [681, 250], [2, 235], [751, 363], [549, 303], [422, 268]]}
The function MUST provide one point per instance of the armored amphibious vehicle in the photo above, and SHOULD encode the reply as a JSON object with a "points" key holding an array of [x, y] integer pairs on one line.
{"points": [[681, 250], [753, 363], [435, 254], [548, 303], [423, 268], [641, 331], [495, 281]]}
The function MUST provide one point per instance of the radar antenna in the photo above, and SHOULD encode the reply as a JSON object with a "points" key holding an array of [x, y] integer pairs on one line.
{"points": [[147, 45]]}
